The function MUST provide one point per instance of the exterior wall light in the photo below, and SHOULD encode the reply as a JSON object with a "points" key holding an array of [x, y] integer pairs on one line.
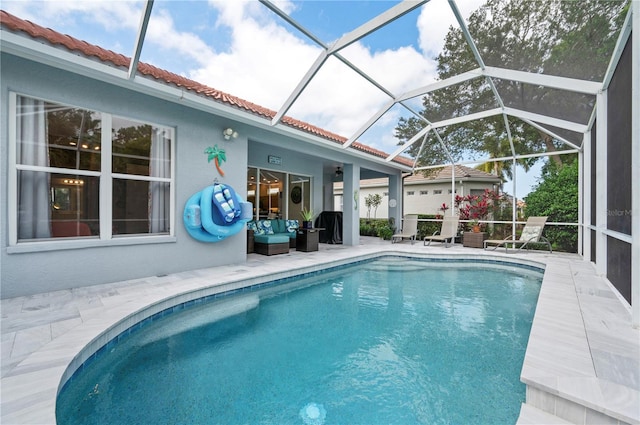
{"points": [[229, 133]]}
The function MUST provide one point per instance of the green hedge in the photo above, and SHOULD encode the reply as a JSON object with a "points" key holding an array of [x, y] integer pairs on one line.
{"points": [[427, 228], [382, 228]]}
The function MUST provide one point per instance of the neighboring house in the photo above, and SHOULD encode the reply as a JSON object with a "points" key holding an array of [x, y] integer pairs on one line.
{"points": [[425, 195], [97, 165]]}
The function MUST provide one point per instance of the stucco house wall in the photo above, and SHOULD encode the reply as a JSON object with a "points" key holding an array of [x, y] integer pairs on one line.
{"points": [[28, 271], [42, 266], [25, 273], [43, 64], [438, 193], [423, 195]]}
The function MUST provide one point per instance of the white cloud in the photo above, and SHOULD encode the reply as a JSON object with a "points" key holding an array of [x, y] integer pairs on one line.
{"points": [[467, 7], [433, 25], [111, 25], [162, 32], [20, 9], [341, 100], [265, 58], [435, 20], [264, 61], [57, 14], [397, 70]]}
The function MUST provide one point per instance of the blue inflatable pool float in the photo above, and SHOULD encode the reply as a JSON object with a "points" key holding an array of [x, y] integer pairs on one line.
{"points": [[215, 213]]}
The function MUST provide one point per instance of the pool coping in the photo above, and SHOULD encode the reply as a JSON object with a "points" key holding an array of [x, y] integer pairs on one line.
{"points": [[26, 402], [582, 362], [182, 301]]}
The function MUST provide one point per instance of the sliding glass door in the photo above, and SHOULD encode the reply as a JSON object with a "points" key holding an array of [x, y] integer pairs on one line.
{"points": [[299, 195], [277, 194]]}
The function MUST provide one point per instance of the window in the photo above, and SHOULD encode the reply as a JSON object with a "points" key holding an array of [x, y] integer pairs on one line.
{"points": [[424, 192], [385, 193], [437, 192], [82, 173], [410, 193]]}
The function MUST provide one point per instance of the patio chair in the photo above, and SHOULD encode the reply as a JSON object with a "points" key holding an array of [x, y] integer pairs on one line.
{"points": [[531, 234], [409, 229], [449, 230]]}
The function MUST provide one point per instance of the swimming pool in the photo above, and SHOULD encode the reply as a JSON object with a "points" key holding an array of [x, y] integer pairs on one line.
{"points": [[393, 340]]}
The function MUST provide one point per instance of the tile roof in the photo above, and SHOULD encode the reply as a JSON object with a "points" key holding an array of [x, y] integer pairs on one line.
{"points": [[15, 24], [461, 171], [443, 174]]}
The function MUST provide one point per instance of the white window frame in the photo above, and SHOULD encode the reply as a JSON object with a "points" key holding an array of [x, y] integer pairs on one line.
{"points": [[106, 199]]}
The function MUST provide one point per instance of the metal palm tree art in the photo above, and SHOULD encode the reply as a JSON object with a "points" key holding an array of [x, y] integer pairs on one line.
{"points": [[218, 156]]}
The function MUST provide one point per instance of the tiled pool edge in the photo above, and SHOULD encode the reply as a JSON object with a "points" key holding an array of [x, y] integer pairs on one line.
{"points": [[52, 364], [561, 377], [27, 402], [182, 301]]}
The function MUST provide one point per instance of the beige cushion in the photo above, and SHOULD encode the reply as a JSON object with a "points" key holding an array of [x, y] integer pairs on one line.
{"points": [[530, 232]]}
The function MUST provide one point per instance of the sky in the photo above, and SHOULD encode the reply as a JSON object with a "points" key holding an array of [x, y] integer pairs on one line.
{"points": [[242, 48]]}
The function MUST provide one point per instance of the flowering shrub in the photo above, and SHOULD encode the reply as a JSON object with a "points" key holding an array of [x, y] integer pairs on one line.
{"points": [[475, 208]]}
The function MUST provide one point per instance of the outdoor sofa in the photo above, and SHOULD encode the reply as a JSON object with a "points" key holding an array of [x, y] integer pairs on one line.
{"points": [[270, 237]]}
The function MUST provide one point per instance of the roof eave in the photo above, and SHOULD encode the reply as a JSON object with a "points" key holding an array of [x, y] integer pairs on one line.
{"points": [[457, 179], [61, 58]]}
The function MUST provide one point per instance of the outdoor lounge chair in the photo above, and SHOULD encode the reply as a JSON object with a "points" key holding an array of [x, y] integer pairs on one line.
{"points": [[409, 229], [449, 230], [531, 234]]}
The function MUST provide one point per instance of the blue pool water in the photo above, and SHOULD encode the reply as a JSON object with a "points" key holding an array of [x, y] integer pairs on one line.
{"points": [[391, 341]]}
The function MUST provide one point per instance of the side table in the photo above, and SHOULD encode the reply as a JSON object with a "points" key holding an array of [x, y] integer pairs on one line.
{"points": [[473, 239], [307, 239]]}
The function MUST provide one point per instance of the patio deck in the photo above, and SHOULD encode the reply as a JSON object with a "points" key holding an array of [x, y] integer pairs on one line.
{"points": [[582, 363]]}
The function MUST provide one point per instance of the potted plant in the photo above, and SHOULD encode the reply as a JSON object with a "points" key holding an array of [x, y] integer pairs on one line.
{"points": [[307, 218]]}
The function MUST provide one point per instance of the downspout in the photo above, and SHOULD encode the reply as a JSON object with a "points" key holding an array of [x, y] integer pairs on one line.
{"points": [[514, 206], [402, 191], [453, 188]]}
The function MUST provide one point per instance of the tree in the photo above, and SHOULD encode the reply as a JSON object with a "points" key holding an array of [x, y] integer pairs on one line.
{"points": [[556, 196], [73, 138], [131, 147], [567, 38], [372, 201]]}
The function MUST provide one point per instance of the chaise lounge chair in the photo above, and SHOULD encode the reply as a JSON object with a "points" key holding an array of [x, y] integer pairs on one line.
{"points": [[531, 234], [409, 229], [449, 230]]}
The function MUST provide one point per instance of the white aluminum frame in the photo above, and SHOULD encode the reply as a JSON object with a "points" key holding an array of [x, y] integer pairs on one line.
{"points": [[635, 167], [16, 44]]}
